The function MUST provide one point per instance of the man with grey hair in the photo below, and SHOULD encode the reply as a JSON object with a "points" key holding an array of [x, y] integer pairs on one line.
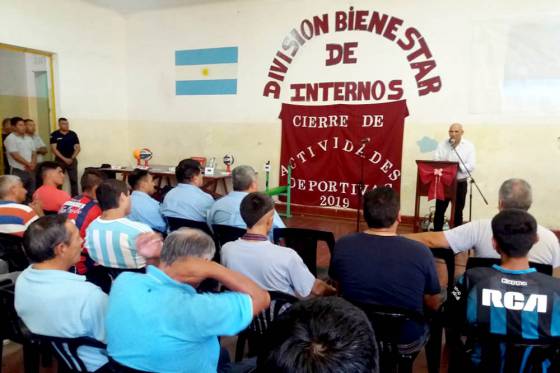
{"points": [[451, 149], [15, 217], [477, 235], [157, 322], [225, 211]]}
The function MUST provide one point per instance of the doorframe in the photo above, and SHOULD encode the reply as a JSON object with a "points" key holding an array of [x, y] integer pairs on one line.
{"points": [[49, 55]]}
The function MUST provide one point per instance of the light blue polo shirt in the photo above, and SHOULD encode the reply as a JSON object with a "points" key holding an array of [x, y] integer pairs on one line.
{"points": [[157, 324], [226, 211], [145, 210], [62, 304], [187, 201]]}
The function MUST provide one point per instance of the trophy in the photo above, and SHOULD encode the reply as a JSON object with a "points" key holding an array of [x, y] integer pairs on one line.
{"points": [[209, 169], [143, 154], [228, 161]]}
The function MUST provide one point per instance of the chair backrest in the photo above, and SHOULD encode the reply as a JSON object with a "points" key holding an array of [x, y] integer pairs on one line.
{"points": [[176, 223], [11, 251], [489, 262], [499, 353], [448, 256], [11, 326], [279, 303], [387, 320], [304, 242], [66, 350], [226, 233]]}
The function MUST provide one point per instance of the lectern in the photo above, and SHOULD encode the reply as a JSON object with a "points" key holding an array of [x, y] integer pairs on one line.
{"points": [[435, 179]]}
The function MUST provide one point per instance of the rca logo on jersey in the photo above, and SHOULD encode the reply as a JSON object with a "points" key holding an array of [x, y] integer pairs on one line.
{"points": [[513, 300]]}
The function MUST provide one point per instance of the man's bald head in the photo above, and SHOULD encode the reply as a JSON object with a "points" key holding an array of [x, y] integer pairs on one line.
{"points": [[456, 133]]}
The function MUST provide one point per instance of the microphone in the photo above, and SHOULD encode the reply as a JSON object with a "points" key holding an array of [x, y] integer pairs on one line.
{"points": [[451, 141], [366, 140]]}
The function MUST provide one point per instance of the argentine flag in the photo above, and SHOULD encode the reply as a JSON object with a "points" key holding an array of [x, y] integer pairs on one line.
{"points": [[211, 71]]}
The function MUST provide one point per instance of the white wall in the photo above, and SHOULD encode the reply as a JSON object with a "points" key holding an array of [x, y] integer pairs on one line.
{"points": [[471, 42], [90, 67], [115, 80]]}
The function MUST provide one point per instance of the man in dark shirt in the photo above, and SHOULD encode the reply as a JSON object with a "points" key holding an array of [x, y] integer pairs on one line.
{"points": [[66, 147], [511, 298], [379, 267]]}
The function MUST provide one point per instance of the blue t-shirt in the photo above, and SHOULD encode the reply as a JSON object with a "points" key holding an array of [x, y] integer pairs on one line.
{"points": [[387, 270], [157, 324]]}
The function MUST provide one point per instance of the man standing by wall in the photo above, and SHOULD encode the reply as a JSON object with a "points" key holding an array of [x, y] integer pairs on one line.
{"points": [[66, 147], [40, 147], [447, 151], [21, 155]]}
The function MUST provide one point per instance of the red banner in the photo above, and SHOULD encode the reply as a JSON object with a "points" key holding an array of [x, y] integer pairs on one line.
{"points": [[328, 147]]}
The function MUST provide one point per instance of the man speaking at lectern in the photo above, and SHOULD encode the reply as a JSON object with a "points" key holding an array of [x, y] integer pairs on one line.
{"points": [[450, 150]]}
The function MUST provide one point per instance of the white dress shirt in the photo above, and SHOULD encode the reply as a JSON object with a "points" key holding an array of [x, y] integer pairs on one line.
{"points": [[465, 148]]}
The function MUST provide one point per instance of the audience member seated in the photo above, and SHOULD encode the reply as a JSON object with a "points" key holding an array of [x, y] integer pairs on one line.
{"points": [[111, 238], [50, 177], [145, 209], [187, 200], [157, 321], [54, 302], [15, 217], [477, 235], [510, 299], [225, 211], [378, 267], [83, 209], [273, 267], [327, 335]]}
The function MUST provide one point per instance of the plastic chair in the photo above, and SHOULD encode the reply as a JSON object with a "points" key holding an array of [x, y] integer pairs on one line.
{"points": [[12, 328], [499, 353], [66, 351], [279, 303], [116, 367], [176, 223], [473, 262], [438, 319], [385, 321], [226, 233], [304, 242], [11, 251]]}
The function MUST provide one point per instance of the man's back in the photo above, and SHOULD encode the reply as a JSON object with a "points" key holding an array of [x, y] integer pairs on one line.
{"points": [[273, 267], [62, 304], [478, 235], [225, 211], [187, 201], [112, 243], [387, 270], [15, 218], [146, 210], [157, 324], [82, 210], [522, 303]]}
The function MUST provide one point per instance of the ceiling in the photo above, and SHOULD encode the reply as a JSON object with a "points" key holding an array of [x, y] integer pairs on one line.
{"points": [[133, 6]]}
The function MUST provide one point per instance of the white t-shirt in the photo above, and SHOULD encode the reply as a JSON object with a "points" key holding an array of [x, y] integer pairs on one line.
{"points": [[38, 142], [272, 267], [23, 145], [478, 235]]}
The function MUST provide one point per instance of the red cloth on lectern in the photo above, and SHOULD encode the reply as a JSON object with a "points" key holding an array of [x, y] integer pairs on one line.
{"points": [[438, 178]]}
